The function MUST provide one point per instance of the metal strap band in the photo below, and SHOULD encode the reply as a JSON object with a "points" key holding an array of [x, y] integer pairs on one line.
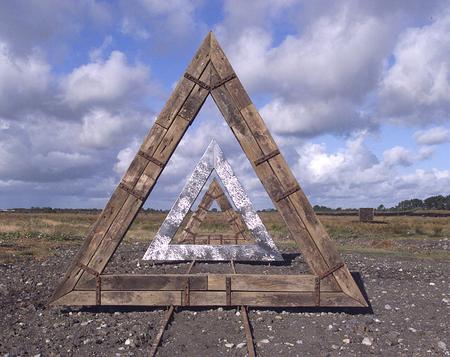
{"points": [[187, 293], [150, 158], [288, 193], [267, 157], [188, 231], [228, 289], [206, 86], [159, 124], [317, 290], [98, 282], [194, 216], [331, 270], [223, 81], [197, 81], [88, 269], [98, 290], [130, 191], [216, 197], [231, 220], [239, 233]]}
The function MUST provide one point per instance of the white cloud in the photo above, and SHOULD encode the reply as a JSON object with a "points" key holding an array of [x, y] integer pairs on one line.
{"points": [[105, 81], [312, 117], [353, 176], [100, 128], [24, 80], [168, 23], [125, 156], [416, 88], [318, 79], [433, 136], [397, 155], [26, 25]]}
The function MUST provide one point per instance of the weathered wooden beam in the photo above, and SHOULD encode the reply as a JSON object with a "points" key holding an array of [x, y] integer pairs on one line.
{"points": [[262, 282], [208, 298], [137, 282], [130, 298]]}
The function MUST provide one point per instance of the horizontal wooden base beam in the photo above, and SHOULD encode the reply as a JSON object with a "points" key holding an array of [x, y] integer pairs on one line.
{"points": [[138, 282], [207, 290], [208, 298], [212, 282]]}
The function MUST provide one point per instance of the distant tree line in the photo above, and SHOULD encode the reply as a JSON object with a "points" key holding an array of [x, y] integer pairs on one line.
{"points": [[431, 203], [439, 202]]}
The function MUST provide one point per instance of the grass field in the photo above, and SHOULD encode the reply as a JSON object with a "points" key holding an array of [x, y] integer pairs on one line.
{"points": [[37, 234]]}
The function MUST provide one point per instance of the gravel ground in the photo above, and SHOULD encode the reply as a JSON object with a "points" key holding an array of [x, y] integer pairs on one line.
{"points": [[410, 302]]}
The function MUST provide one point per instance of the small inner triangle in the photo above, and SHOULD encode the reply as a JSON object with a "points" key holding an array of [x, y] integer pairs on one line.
{"points": [[263, 249], [192, 233]]}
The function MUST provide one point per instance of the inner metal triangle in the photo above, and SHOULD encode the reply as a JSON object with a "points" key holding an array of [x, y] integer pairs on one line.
{"points": [[264, 249]]}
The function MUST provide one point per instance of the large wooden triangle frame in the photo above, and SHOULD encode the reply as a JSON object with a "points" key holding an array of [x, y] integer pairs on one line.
{"points": [[214, 193], [210, 72], [262, 249]]}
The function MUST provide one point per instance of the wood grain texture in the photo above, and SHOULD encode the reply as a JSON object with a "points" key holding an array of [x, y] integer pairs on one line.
{"points": [[207, 298], [137, 282]]}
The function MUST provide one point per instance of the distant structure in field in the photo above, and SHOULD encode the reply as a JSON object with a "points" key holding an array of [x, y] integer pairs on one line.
{"points": [[366, 214]]}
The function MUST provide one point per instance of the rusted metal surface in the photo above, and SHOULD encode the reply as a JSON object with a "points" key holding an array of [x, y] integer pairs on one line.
{"points": [[264, 248]]}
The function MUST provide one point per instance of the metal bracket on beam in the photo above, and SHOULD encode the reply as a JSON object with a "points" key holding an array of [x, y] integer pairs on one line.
{"points": [[197, 81], [98, 282], [287, 193], [331, 270], [267, 157], [206, 86], [130, 191], [228, 289], [150, 158], [223, 81], [187, 293], [188, 231], [317, 290]]}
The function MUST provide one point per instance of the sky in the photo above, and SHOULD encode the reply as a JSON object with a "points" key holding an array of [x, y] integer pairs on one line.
{"points": [[355, 93]]}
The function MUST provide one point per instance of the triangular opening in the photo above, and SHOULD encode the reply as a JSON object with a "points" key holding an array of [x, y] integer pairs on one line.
{"points": [[224, 225], [210, 73]]}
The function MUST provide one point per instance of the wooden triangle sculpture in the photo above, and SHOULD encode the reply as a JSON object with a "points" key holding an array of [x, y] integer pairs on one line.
{"points": [[212, 160], [210, 72], [215, 193]]}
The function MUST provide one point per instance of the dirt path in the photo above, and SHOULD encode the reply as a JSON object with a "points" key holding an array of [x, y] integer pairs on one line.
{"points": [[410, 301]]}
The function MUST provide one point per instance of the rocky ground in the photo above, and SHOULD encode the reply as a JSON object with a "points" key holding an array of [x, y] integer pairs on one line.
{"points": [[410, 300]]}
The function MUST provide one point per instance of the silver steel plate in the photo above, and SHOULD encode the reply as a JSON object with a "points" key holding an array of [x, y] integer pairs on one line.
{"points": [[264, 248]]}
